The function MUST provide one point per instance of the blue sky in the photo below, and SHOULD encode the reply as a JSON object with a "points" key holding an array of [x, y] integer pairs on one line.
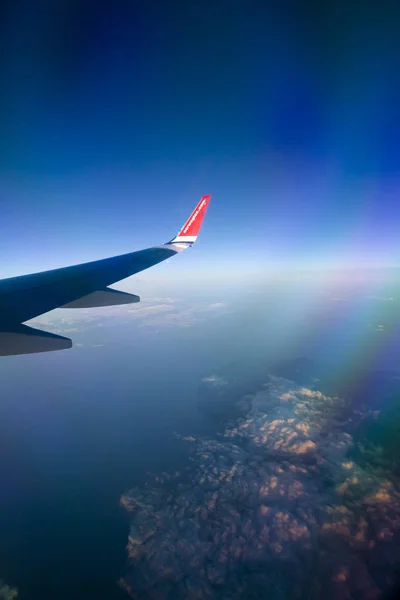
{"points": [[117, 118]]}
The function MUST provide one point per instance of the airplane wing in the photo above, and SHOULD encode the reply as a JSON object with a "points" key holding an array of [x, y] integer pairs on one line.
{"points": [[80, 286]]}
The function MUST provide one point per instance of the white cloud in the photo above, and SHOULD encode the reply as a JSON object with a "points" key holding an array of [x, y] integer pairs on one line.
{"points": [[153, 312], [218, 305], [157, 299], [215, 380], [381, 298], [156, 308]]}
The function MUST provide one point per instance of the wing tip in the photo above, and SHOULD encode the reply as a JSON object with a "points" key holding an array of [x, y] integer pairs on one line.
{"points": [[189, 232]]}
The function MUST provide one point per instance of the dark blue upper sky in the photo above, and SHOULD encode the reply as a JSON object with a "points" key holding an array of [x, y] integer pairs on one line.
{"points": [[117, 116]]}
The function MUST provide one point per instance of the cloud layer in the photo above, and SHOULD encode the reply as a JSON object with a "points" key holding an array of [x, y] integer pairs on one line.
{"points": [[274, 508]]}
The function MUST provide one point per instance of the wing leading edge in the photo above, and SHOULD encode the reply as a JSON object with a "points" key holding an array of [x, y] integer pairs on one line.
{"points": [[25, 297]]}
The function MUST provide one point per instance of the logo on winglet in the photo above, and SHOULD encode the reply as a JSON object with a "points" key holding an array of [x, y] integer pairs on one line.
{"points": [[193, 217]]}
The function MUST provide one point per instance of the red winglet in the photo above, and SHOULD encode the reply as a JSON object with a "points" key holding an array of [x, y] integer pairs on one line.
{"points": [[191, 228]]}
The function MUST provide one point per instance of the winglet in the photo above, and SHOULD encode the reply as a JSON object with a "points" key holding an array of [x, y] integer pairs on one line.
{"points": [[189, 232]]}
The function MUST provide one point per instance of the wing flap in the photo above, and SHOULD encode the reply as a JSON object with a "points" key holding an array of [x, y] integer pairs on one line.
{"points": [[27, 340], [106, 297]]}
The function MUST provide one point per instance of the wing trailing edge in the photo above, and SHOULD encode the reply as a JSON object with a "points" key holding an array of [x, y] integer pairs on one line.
{"points": [[106, 297], [27, 340]]}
